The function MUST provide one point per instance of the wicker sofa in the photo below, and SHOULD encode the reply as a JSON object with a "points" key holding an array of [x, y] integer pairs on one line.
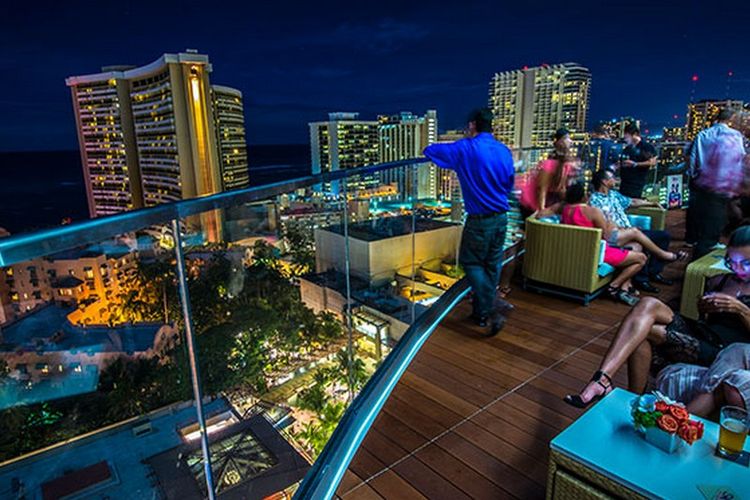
{"points": [[565, 260]]}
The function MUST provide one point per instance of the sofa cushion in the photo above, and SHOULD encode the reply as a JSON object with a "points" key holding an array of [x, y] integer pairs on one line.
{"points": [[640, 221]]}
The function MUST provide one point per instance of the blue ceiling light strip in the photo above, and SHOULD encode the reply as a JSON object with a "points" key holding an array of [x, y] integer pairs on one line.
{"points": [[326, 473]]}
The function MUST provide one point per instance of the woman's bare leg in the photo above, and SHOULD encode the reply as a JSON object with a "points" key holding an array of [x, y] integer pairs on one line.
{"points": [[638, 327], [702, 404], [639, 365], [626, 236], [632, 264], [732, 396]]}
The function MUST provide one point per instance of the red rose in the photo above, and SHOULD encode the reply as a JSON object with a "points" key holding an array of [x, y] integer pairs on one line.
{"points": [[662, 407], [667, 423], [678, 412], [690, 431]]}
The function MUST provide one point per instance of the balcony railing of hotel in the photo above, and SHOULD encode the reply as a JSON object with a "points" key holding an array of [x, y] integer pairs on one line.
{"points": [[250, 335]]}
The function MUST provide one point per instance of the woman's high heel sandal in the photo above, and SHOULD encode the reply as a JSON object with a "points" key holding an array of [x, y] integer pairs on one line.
{"points": [[575, 399]]}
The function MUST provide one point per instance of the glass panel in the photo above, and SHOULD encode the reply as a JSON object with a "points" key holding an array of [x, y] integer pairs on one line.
{"points": [[91, 346], [297, 299]]}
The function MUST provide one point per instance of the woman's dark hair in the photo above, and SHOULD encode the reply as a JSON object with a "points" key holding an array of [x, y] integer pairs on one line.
{"points": [[559, 134], [575, 193], [482, 118], [599, 177], [562, 154], [740, 237]]}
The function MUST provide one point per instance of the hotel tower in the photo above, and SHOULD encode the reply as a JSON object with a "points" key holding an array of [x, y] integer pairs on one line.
{"points": [[529, 104], [157, 134]]}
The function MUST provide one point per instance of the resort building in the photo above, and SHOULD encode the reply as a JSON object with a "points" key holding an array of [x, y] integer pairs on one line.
{"points": [[158, 133], [529, 104], [341, 143]]}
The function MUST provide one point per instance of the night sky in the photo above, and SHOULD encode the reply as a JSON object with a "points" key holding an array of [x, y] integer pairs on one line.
{"points": [[296, 61]]}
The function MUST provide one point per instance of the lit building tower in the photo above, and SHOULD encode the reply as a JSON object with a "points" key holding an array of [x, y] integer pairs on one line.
{"points": [[530, 104], [702, 114], [148, 135], [673, 134], [449, 187], [402, 137], [341, 143], [107, 139], [230, 129]]}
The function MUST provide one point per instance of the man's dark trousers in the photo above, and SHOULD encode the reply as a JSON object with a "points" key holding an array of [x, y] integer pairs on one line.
{"points": [[712, 218], [654, 266], [481, 257]]}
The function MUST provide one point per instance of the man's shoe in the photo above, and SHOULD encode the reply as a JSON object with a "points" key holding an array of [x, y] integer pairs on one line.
{"points": [[480, 321], [659, 278], [496, 324], [646, 286], [504, 307]]}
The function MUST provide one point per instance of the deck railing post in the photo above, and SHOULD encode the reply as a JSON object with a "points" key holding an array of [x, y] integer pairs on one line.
{"points": [[190, 340]]}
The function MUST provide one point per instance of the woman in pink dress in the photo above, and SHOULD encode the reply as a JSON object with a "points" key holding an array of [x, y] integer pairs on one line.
{"points": [[575, 212], [546, 185]]}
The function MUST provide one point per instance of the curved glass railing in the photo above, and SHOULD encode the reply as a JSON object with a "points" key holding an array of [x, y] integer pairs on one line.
{"points": [[250, 336]]}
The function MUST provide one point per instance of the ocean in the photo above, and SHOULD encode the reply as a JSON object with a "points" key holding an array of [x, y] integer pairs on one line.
{"points": [[40, 189]]}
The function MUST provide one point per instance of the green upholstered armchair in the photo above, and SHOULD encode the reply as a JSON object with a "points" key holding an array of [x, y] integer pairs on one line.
{"points": [[658, 216], [563, 260]]}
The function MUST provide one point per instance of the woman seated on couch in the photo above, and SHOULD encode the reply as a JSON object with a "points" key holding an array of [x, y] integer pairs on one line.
{"points": [[725, 382], [575, 211], [652, 335]]}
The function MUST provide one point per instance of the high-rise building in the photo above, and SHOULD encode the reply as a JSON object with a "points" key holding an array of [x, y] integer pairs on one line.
{"points": [[702, 114], [341, 143], [402, 137], [449, 187], [230, 129], [530, 104], [153, 134], [673, 134]]}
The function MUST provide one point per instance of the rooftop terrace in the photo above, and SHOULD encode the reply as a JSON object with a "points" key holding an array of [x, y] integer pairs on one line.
{"points": [[473, 417]]}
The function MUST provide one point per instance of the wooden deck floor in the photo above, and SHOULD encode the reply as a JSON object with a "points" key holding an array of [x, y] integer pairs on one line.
{"points": [[473, 417]]}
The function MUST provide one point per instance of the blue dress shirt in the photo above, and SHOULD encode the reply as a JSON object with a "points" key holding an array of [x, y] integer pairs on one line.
{"points": [[485, 170]]}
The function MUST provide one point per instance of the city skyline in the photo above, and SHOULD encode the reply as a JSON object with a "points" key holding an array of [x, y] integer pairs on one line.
{"points": [[295, 68]]}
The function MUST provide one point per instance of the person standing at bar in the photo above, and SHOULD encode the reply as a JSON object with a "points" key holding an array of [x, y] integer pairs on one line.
{"points": [[639, 158], [716, 176], [484, 167]]}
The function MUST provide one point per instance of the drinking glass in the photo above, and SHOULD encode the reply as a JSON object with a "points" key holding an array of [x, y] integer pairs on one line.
{"points": [[734, 427]]}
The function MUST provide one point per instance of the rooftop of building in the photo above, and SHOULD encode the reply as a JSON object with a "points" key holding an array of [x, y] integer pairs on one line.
{"points": [[128, 71], [249, 459], [381, 299], [388, 227], [48, 330], [122, 450]]}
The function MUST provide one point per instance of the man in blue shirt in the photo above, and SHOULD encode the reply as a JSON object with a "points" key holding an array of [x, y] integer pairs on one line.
{"points": [[484, 167]]}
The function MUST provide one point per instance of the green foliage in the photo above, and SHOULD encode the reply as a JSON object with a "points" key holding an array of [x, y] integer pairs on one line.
{"points": [[317, 434], [300, 239], [314, 398], [352, 374]]}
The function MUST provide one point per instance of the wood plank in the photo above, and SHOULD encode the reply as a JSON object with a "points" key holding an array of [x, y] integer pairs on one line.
{"points": [[491, 467], [458, 473]]}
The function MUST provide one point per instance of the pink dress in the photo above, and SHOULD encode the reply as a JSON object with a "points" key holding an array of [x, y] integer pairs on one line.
{"points": [[573, 215], [529, 197]]}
